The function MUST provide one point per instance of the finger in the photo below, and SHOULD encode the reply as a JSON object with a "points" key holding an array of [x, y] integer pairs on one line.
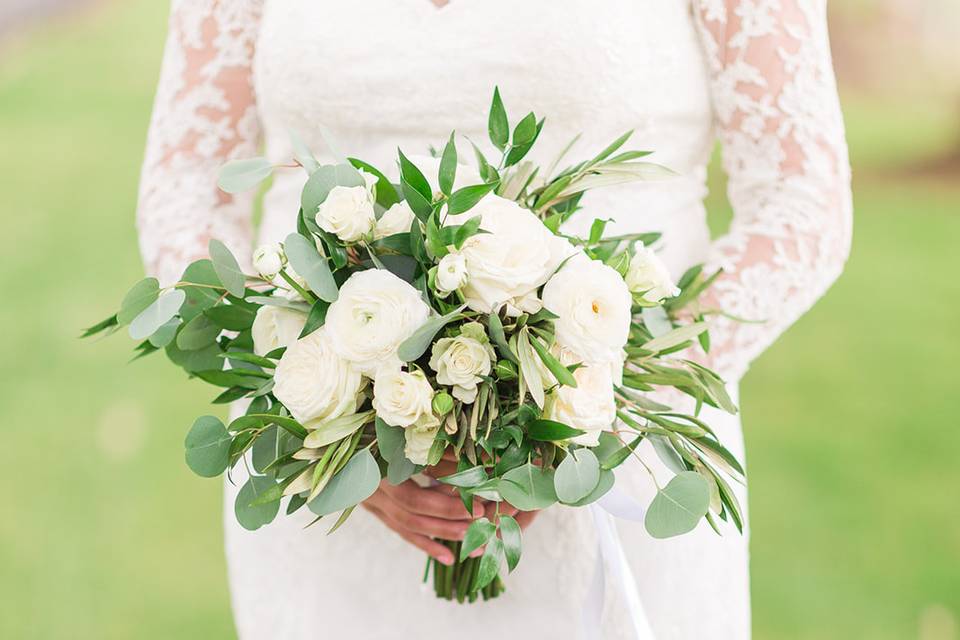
{"points": [[506, 509], [436, 504], [441, 469], [429, 526], [432, 548], [525, 518]]}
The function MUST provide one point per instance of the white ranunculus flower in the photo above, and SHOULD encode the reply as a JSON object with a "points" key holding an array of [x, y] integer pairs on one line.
{"points": [[396, 219], [401, 398], [451, 273], [461, 362], [314, 383], [648, 275], [510, 262], [590, 406], [275, 327], [347, 213], [419, 440], [593, 305], [269, 259], [373, 314]]}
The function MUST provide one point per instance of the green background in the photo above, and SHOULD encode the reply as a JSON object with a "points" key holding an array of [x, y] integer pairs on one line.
{"points": [[851, 418]]}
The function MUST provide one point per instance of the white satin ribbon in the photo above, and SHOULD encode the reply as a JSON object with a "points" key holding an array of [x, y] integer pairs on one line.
{"points": [[610, 554]]}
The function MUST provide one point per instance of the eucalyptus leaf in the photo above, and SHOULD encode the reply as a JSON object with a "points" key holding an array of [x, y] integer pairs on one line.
{"points": [[678, 507], [302, 153], [240, 175], [330, 431], [418, 343], [165, 334], [528, 487], [657, 321], [577, 476], [156, 315], [227, 268], [321, 182], [197, 334], [204, 292], [207, 447], [353, 484], [141, 295], [311, 266], [231, 317], [607, 480], [468, 478], [250, 516]]}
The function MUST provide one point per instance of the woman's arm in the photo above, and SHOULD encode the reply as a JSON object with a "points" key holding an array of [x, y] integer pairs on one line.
{"points": [[204, 115], [779, 121]]}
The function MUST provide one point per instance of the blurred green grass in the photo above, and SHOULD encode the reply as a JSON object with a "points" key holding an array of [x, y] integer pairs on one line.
{"points": [[851, 418]]}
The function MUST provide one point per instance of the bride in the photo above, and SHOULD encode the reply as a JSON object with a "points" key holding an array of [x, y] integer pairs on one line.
{"points": [[755, 74]]}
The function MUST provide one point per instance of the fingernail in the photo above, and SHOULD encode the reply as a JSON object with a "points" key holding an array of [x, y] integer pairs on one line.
{"points": [[446, 559], [477, 553]]}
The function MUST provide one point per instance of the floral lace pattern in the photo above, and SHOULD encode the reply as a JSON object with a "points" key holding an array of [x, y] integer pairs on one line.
{"points": [[784, 151], [204, 115]]}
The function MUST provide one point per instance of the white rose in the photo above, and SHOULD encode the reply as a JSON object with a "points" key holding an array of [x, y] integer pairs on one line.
{"points": [[370, 182], [268, 260], [593, 305], [373, 314], [275, 327], [451, 273], [419, 441], [510, 262], [314, 383], [461, 362], [396, 219], [347, 213], [403, 399], [648, 275], [590, 406]]}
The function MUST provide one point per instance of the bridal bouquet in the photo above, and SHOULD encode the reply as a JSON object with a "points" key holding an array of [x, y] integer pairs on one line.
{"points": [[446, 313]]}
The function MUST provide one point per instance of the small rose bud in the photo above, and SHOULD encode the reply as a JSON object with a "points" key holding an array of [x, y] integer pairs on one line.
{"points": [[442, 403], [451, 273], [268, 260], [506, 370]]}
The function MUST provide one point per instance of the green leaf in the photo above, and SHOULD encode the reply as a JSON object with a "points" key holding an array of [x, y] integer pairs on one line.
{"points": [[551, 431], [464, 199], [387, 195], [207, 447], [679, 506], [448, 166], [418, 343], [560, 372], [420, 206], [250, 516], [140, 296], [227, 268], [613, 146], [577, 476], [675, 337], [478, 534], [412, 176], [316, 317], [156, 315], [489, 564], [619, 456], [336, 429], [311, 266], [321, 182], [265, 449], [512, 540], [525, 130], [230, 317], [468, 478], [390, 440], [199, 298], [495, 325], [103, 325], [240, 175], [198, 334], [607, 480], [302, 153], [497, 124], [528, 487], [165, 334], [518, 152], [353, 484], [400, 469], [289, 424], [529, 371], [343, 518]]}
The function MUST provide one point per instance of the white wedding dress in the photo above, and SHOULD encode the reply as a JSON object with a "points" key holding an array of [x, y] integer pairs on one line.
{"points": [[755, 74]]}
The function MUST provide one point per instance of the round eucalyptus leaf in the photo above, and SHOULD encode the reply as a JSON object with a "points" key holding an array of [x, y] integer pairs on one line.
{"points": [[607, 480], [250, 516], [240, 175], [678, 507], [165, 334], [199, 333], [265, 448], [577, 476], [353, 484], [156, 315], [140, 296], [199, 298], [528, 487], [311, 266], [227, 268], [207, 447]]}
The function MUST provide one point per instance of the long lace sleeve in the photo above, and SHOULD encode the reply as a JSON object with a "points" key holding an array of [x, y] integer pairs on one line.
{"points": [[784, 150], [204, 114]]}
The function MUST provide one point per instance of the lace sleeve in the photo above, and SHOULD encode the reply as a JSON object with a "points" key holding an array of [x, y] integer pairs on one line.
{"points": [[784, 151], [204, 114]]}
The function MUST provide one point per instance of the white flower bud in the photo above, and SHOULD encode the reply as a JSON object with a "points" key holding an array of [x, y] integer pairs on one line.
{"points": [[648, 276], [268, 260], [451, 273]]}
